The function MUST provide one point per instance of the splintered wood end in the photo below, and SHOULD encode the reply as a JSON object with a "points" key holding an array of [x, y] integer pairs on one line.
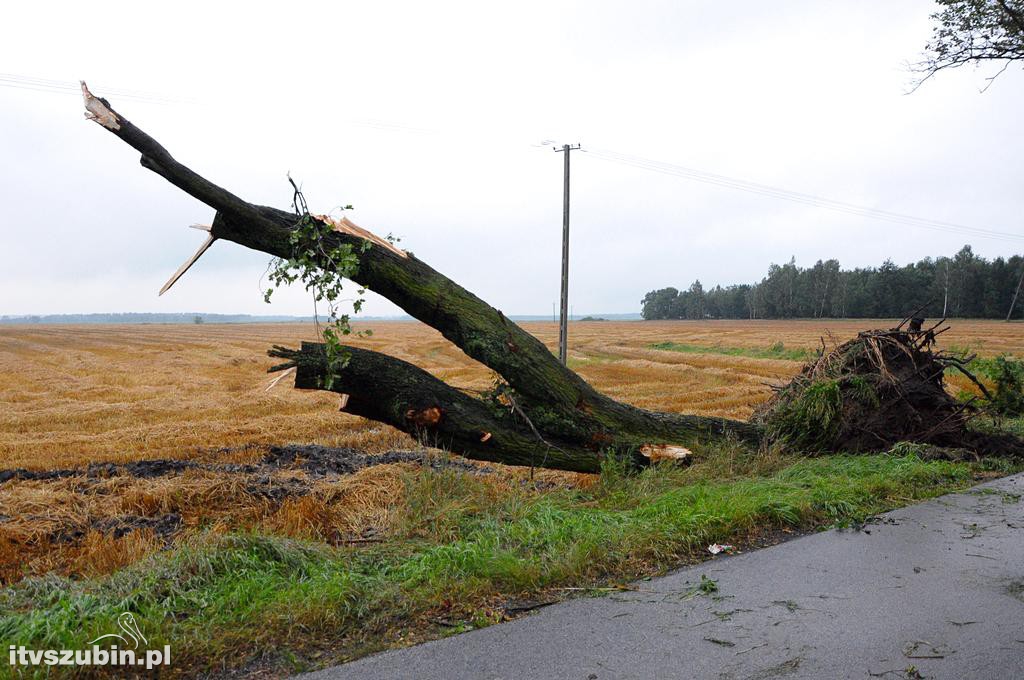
{"points": [[347, 226], [659, 452], [96, 110]]}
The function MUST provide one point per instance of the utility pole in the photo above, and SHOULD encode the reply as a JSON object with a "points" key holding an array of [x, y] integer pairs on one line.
{"points": [[945, 295], [563, 328], [1015, 294]]}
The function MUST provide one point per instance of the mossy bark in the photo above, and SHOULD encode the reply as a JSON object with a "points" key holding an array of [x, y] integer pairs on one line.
{"points": [[398, 393]]}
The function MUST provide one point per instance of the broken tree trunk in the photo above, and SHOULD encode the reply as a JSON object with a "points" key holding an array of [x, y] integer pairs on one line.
{"points": [[553, 417], [392, 391]]}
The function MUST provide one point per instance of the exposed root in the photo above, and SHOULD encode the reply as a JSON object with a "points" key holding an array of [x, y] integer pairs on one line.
{"points": [[882, 387]]}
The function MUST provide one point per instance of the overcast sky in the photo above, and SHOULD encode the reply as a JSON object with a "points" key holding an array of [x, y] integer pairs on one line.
{"points": [[427, 117]]}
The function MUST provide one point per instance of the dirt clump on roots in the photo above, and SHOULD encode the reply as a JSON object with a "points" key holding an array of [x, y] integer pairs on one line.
{"points": [[878, 389]]}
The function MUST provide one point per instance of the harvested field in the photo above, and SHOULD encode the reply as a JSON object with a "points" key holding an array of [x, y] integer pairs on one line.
{"points": [[75, 395], [119, 440]]}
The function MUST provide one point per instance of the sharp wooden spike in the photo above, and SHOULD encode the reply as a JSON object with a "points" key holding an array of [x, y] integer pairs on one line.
{"points": [[278, 379], [191, 261]]}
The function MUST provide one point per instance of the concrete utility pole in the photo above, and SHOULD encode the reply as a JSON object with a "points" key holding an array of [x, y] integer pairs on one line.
{"points": [[563, 328], [1015, 294], [945, 295]]}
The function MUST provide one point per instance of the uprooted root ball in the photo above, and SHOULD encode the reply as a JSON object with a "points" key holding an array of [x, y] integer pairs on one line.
{"points": [[867, 394]]}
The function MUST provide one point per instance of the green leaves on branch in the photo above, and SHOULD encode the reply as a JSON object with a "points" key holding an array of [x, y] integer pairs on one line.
{"points": [[321, 262], [1008, 376]]}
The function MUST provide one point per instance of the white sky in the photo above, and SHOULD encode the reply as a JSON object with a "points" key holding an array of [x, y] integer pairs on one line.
{"points": [[425, 116]]}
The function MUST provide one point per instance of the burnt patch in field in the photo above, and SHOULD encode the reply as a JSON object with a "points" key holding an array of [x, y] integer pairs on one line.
{"points": [[96, 518], [325, 460], [317, 461], [22, 473], [275, 488], [142, 469], [145, 469], [163, 527]]}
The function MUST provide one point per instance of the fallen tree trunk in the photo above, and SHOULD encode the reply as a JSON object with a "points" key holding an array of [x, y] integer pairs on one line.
{"points": [[392, 391], [554, 417]]}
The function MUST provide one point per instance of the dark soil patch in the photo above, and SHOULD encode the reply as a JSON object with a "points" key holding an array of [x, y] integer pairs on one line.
{"points": [[262, 480], [22, 473], [318, 461], [276, 489], [163, 526], [142, 469], [324, 460]]}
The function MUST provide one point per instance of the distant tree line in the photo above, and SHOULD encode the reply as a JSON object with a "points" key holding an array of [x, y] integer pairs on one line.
{"points": [[965, 285], [146, 317]]}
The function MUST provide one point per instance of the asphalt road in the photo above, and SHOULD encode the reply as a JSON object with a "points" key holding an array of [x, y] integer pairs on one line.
{"points": [[935, 589]]}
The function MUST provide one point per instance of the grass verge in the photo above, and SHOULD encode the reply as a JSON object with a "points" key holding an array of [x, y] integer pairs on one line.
{"points": [[236, 601], [775, 351]]}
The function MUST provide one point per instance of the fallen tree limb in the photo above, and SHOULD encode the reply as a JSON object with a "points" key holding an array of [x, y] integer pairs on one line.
{"points": [[392, 391], [571, 414]]}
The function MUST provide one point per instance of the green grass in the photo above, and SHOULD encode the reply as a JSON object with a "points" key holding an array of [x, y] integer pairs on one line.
{"points": [[593, 357], [998, 425], [230, 600], [1013, 426], [776, 351], [982, 366]]}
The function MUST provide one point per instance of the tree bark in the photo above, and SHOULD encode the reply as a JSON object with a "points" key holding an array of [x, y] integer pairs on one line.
{"points": [[560, 419], [392, 391]]}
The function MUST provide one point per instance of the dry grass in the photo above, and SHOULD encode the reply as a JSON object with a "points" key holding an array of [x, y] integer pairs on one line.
{"points": [[75, 395]]}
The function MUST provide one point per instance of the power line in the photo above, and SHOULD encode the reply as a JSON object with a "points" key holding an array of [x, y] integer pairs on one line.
{"points": [[797, 197], [745, 185], [69, 87], [73, 88]]}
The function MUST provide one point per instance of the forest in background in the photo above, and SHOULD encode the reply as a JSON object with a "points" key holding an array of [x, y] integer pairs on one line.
{"points": [[964, 286]]}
